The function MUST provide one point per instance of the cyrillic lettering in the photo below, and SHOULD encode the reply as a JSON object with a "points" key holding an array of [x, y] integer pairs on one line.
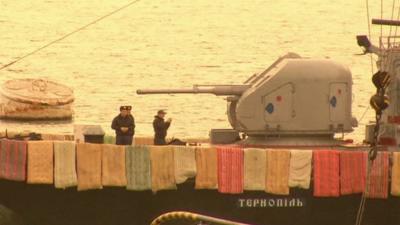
{"points": [[271, 203], [241, 203], [299, 203]]}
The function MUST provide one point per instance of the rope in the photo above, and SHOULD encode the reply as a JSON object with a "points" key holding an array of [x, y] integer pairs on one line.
{"points": [[398, 16], [369, 35], [372, 153], [388, 59], [69, 34], [390, 31], [381, 17], [361, 208], [395, 32], [365, 112]]}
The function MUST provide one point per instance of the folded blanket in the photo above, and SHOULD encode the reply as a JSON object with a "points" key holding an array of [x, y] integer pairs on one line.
{"points": [[89, 166], [300, 168], [206, 165], [326, 173], [379, 177], [277, 176], [395, 187], [254, 169], [13, 160], [65, 164], [40, 162], [108, 139], [113, 165], [162, 168], [138, 168], [230, 169], [353, 166], [185, 163]]}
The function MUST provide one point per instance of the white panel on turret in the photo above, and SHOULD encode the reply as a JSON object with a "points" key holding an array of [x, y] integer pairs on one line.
{"points": [[338, 95], [278, 105]]}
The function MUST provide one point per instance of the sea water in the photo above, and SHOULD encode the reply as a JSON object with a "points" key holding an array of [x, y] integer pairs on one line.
{"points": [[175, 44]]}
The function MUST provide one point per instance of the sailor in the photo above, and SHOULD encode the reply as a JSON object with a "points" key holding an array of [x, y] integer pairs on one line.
{"points": [[124, 126], [131, 116], [160, 127], [129, 108]]}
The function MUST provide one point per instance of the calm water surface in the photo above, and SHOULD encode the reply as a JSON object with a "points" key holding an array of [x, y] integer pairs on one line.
{"points": [[175, 43]]}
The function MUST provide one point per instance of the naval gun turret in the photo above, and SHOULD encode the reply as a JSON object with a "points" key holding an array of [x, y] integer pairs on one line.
{"points": [[296, 101]]}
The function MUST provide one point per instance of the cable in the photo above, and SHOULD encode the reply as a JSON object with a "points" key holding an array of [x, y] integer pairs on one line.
{"points": [[69, 34], [361, 208], [389, 57], [390, 31], [381, 17], [398, 15], [372, 153], [369, 35], [365, 112]]}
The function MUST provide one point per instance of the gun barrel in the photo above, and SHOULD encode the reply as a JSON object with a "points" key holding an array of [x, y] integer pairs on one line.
{"points": [[164, 91], [199, 89]]}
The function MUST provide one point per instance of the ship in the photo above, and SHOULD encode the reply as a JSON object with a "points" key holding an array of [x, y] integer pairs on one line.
{"points": [[296, 103]]}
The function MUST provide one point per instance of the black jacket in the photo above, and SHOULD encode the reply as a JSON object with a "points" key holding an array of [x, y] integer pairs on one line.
{"points": [[160, 129], [120, 121]]}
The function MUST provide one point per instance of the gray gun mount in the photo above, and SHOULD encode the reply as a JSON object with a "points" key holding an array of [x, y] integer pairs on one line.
{"points": [[292, 100]]}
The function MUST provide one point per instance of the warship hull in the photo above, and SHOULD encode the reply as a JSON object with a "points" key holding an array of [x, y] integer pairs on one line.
{"points": [[23, 204]]}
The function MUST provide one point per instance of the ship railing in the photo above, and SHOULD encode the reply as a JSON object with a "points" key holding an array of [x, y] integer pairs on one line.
{"points": [[389, 42], [191, 217]]}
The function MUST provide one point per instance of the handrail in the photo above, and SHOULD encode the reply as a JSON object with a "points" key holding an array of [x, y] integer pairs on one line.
{"points": [[194, 217]]}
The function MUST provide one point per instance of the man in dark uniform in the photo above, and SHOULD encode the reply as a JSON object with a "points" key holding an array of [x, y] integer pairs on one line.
{"points": [[131, 116], [124, 126], [129, 108], [160, 128]]}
